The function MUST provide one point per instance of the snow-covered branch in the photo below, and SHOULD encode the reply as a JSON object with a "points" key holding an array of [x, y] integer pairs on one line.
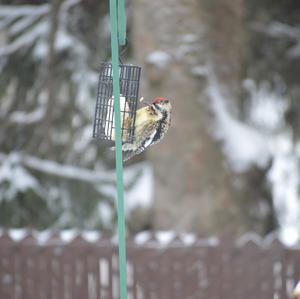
{"points": [[26, 118], [33, 22], [25, 39], [56, 169], [70, 171], [15, 11], [17, 177], [280, 30], [22, 19], [23, 23], [66, 171]]}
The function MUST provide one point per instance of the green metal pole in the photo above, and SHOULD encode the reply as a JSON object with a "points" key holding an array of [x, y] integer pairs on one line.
{"points": [[118, 147], [121, 22]]}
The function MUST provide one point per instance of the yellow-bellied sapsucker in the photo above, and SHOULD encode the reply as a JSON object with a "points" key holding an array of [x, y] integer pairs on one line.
{"points": [[151, 124]]}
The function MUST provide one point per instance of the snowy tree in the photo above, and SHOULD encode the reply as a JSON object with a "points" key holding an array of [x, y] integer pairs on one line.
{"points": [[51, 172], [47, 89], [273, 63]]}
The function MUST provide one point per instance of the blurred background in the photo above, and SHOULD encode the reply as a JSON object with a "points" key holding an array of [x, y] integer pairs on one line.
{"points": [[230, 162]]}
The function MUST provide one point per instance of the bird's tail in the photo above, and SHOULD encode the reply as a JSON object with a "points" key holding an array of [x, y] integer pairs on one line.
{"points": [[127, 150], [128, 155]]}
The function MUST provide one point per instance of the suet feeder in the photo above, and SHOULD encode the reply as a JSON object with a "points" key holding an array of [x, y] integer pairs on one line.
{"points": [[104, 123]]}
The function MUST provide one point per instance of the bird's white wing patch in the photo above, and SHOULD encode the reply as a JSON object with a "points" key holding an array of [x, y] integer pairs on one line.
{"points": [[149, 140]]}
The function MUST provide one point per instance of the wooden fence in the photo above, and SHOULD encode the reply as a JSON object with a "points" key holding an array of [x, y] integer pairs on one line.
{"points": [[79, 269]]}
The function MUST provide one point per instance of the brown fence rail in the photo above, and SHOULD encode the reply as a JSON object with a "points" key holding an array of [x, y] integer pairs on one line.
{"points": [[80, 269]]}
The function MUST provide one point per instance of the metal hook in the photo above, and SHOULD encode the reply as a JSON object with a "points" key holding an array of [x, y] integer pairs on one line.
{"points": [[123, 51]]}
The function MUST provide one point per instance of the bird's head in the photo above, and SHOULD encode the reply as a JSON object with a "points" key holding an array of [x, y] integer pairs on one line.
{"points": [[162, 104]]}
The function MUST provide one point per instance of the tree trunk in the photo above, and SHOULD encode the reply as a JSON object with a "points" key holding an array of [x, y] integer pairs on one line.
{"points": [[175, 40]]}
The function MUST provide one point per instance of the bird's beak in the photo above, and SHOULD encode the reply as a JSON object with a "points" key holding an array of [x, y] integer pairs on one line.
{"points": [[142, 100]]}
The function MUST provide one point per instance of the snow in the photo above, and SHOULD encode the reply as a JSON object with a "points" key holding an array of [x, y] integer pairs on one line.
{"points": [[14, 11], [262, 138], [142, 238], [164, 238], [159, 58], [27, 22], [86, 80], [189, 38], [265, 137], [26, 39], [284, 178], [82, 143], [68, 235], [19, 25], [25, 118], [13, 169], [14, 178], [267, 106], [141, 194], [13, 166], [108, 190], [189, 239], [280, 30], [243, 145], [63, 41], [43, 236], [199, 71], [40, 49], [22, 179], [66, 171], [91, 236], [105, 213], [25, 27], [18, 234], [5, 23]]}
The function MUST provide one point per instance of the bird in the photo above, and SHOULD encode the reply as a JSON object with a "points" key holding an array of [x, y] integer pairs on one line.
{"points": [[151, 125]]}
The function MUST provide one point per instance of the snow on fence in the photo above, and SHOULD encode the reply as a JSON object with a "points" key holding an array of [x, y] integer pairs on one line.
{"points": [[86, 267]]}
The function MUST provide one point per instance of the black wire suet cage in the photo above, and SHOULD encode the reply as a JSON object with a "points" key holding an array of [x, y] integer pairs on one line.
{"points": [[104, 123]]}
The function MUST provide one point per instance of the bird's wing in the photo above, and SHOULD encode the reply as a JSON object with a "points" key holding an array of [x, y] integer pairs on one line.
{"points": [[129, 150], [147, 130]]}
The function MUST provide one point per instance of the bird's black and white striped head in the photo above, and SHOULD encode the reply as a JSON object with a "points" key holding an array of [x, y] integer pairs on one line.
{"points": [[161, 105]]}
